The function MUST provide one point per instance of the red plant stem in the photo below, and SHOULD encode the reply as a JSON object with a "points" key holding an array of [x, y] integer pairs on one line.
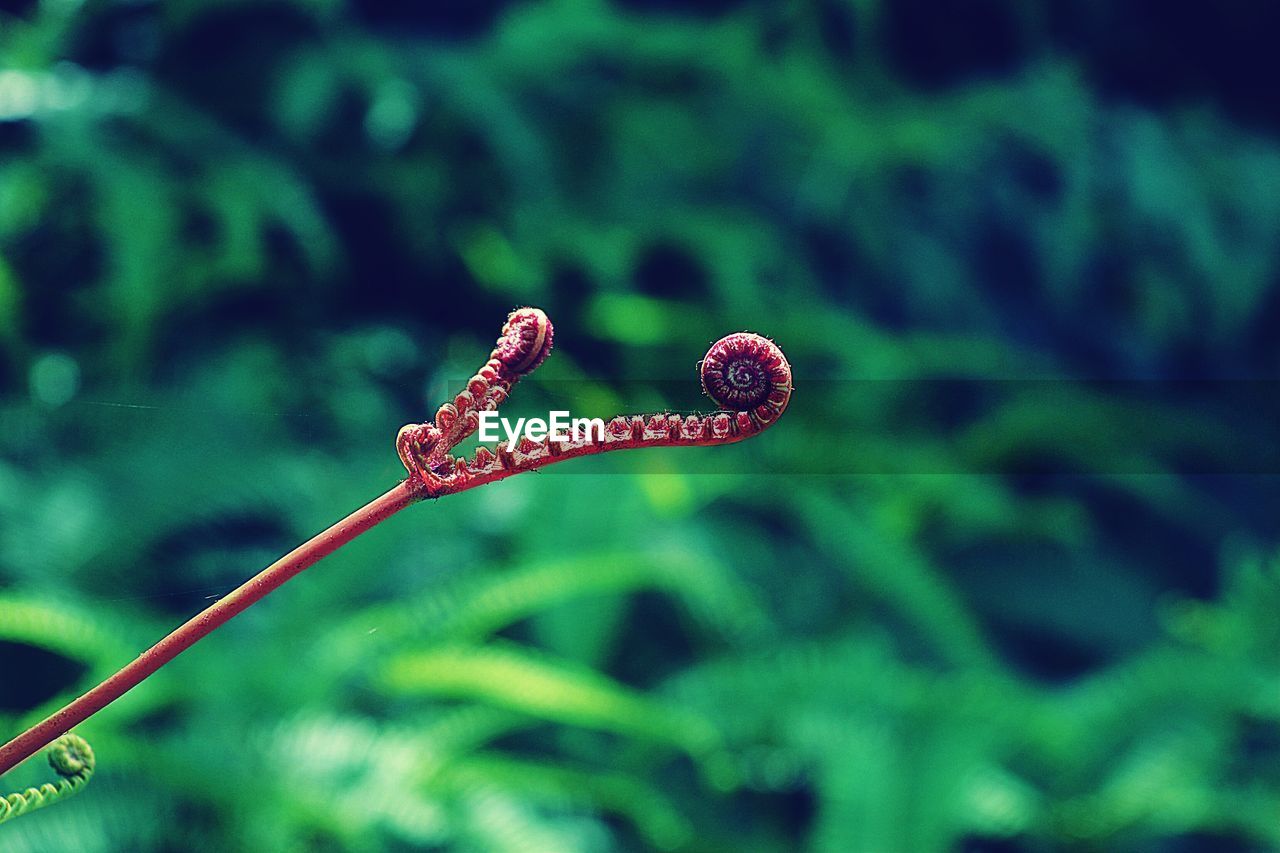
{"points": [[305, 555], [744, 373]]}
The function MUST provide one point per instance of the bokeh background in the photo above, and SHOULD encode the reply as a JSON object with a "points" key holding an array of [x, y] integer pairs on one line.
{"points": [[1003, 579]]}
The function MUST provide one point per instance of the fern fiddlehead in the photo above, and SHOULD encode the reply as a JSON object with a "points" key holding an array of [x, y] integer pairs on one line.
{"points": [[72, 759], [524, 344], [745, 374]]}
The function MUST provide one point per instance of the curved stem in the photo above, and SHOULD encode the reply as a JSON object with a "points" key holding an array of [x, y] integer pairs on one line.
{"points": [[305, 555], [744, 373], [622, 433]]}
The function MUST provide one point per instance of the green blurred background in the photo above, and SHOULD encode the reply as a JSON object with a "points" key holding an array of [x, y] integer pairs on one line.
{"points": [[1003, 579]]}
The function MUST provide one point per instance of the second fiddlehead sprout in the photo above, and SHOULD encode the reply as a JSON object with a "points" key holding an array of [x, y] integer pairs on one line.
{"points": [[71, 757], [744, 374]]}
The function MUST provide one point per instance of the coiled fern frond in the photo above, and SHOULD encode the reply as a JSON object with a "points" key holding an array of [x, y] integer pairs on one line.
{"points": [[71, 757]]}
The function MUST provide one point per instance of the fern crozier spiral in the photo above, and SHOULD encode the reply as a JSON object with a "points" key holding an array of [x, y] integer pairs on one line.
{"points": [[71, 755], [526, 340], [745, 372], [746, 375]]}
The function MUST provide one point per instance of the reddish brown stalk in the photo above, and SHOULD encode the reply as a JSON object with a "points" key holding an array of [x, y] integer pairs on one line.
{"points": [[745, 374], [251, 591]]}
